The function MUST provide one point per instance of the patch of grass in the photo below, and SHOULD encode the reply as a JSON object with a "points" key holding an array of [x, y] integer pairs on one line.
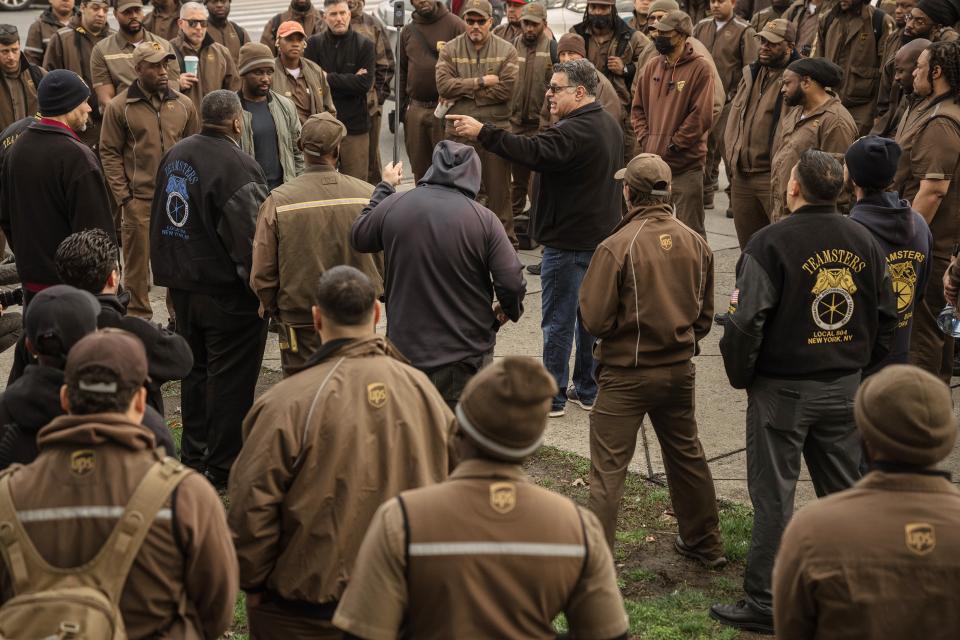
{"points": [[639, 575], [681, 615], [170, 389], [238, 630], [175, 424], [736, 526], [635, 536]]}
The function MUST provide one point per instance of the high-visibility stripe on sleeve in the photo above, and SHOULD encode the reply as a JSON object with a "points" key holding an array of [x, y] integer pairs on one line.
{"points": [[85, 512], [321, 203], [542, 549]]}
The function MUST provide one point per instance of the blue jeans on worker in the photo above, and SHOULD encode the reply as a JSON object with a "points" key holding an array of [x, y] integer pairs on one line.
{"points": [[560, 276]]}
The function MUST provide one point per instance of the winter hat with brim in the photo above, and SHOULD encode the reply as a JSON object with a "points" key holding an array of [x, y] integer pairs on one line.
{"points": [[906, 415], [572, 43], [503, 409], [61, 91], [254, 55]]}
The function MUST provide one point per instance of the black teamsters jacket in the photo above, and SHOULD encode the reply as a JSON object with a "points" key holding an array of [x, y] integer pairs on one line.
{"points": [[584, 147], [204, 214], [813, 301]]}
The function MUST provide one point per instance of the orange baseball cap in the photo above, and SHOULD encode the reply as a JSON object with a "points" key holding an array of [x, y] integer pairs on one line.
{"points": [[290, 27]]}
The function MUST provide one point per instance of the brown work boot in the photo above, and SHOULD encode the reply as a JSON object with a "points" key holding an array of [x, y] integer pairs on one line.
{"points": [[716, 562]]}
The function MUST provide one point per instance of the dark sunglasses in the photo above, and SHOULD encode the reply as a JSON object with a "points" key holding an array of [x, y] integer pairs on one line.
{"points": [[193, 24], [475, 22]]}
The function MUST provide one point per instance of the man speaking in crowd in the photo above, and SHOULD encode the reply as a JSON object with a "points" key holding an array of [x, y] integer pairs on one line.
{"points": [[578, 205]]}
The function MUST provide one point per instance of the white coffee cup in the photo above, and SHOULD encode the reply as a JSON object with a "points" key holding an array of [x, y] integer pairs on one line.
{"points": [[191, 63]]}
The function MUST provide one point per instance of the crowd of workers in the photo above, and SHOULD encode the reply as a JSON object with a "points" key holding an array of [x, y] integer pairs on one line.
{"points": [[375, 491]]}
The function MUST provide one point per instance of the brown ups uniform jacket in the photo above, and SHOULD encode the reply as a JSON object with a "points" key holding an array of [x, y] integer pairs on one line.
{"points": [[508, 32], [677, 115], [486, 510], [321, 451], [136, 133], [533, 78], [163, 24], [183, 583], [310, 93], [830, 128], [229, 34], [732, 47], [762, 17], [303, 229], [112, 62], [929, 136], [879, 560], [458, 78], [806, 23], [756, 110], [43, 28], [648, 294], [71, 48], [216, 69], [311, 20], [598, 50], [18, 93], [850, 42], [416, 61]]}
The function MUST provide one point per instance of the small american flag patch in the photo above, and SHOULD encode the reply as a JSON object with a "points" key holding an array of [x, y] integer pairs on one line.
{"points": [[735, 297]]}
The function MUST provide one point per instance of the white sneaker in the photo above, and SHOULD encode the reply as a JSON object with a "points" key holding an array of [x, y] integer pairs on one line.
{"points": [[557, 413]]}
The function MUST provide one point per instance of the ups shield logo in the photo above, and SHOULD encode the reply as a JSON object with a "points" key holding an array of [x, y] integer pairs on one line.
{"points": [[377, 394], [82, 462], [666, 241], [503, 497], [920, 537]]}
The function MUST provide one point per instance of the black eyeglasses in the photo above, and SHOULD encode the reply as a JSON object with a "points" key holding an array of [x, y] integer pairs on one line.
{"points": [[193, 24], [475, 22], [555, 89]]}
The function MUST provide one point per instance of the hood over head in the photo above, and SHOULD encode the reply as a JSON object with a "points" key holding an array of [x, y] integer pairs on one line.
{"points": [[456, 166], [887, 216]]}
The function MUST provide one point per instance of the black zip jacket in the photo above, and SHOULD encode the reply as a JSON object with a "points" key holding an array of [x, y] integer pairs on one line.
{"points": [[341, 57], [584, 147], [204, 214], [52, 186], [906, 240], [813, 301]]}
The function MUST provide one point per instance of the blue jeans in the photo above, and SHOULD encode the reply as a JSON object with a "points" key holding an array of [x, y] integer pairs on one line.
{"points": [[561, 275]]}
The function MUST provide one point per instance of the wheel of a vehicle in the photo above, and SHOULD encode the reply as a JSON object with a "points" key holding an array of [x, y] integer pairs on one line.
{"points": [[14, 5]]}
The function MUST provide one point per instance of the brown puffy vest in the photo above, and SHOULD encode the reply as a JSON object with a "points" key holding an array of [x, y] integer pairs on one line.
{"points": [[497, 558]]}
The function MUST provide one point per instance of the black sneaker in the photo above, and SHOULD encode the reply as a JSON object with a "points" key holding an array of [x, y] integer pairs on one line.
{"points": [[742, 616], [534, 269], [730, 213], [720, 319]]}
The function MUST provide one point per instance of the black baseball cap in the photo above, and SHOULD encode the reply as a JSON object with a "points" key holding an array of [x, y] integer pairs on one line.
{"points": [[58, 317]]}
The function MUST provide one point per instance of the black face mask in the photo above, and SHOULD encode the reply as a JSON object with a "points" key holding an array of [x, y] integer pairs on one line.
{"points": [[664, 45], [599, 22]]}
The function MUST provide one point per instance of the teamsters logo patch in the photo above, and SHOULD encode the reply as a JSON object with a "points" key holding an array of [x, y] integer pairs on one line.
{"points": [[832, 305]]}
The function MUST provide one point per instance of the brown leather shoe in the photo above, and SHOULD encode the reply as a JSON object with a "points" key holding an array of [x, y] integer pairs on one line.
{"points": [[716, 562]]}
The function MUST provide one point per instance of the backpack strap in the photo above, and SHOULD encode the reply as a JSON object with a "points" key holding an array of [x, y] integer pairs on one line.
{"points": [[113, 563], [877, 19], [14, 543]]}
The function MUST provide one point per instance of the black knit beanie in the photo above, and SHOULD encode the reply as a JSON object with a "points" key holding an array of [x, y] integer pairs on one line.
{"points": [[61, 92]]}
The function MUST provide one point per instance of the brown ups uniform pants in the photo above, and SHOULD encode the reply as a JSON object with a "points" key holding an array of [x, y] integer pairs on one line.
{"points": [[135, 241], [297, 344], [521, 173], [930, 348], [667, 394], [495, 186], [421, 133], [751, 204], [687, 191], [354, 156]]}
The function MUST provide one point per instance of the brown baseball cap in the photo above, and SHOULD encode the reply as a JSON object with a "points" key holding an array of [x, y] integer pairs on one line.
{"points": [[534, 12], [777, 31], [115, 350], [503, 409], [321, 134], [572, 42], [675, 21], [123, 5], [665, 6], [152, 52], [480, 7], [646, 173], [289, 28]]}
